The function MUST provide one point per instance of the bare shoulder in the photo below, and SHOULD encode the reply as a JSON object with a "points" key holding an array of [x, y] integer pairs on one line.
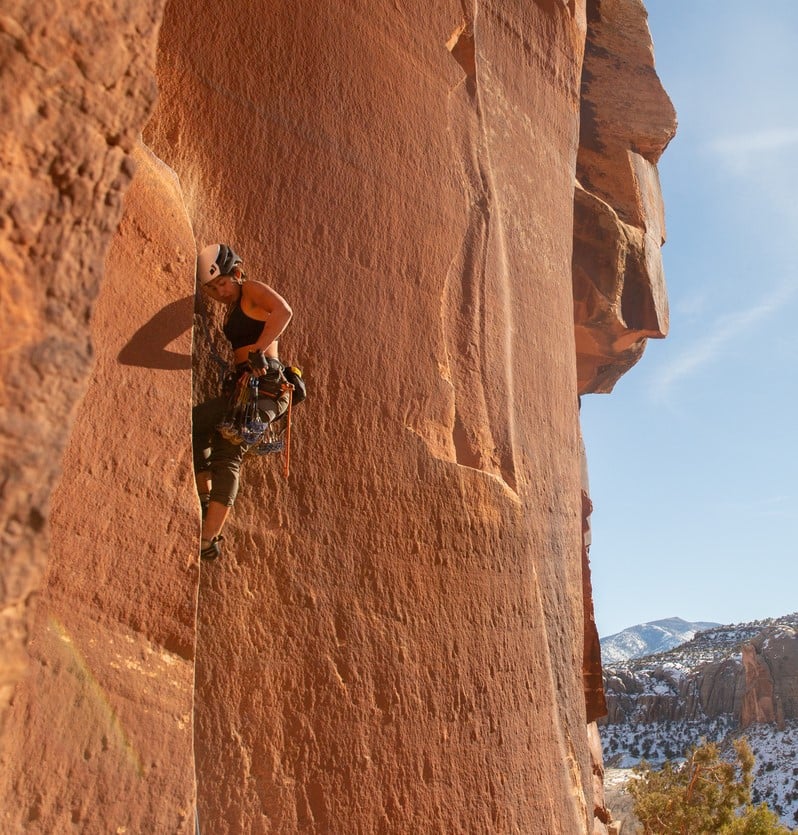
{"points": [[251, 287], [259, 295]]}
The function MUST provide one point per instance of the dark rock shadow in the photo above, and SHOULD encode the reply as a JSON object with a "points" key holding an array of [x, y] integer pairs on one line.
{"points": [[147, 346]]}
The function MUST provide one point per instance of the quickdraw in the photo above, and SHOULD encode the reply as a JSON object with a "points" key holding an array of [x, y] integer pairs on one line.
{"points": [[245, 425]]}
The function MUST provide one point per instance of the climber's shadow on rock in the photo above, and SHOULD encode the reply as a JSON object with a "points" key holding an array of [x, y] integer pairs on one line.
{"points": [[147, 346]]}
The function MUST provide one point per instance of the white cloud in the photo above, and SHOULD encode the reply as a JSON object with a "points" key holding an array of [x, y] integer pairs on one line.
{"points": [[719, 335], [743, 151], [764, 140], [692, 304], [779, 506]]}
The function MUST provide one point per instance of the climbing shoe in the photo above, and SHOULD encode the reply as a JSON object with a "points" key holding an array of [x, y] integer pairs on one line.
{"points": [[210, 549]]}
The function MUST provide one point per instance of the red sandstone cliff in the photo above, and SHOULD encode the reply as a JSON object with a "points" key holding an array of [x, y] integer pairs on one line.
{"points": [[395, 638], [770, 663]]}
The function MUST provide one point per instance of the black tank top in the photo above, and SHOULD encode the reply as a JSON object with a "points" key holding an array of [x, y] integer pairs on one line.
{"points": [[241, 329]]}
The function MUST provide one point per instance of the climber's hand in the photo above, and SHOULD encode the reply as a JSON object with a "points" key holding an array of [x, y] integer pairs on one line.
{"points": [[258, 362]]}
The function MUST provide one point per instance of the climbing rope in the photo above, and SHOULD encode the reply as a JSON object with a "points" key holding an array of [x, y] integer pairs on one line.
{"points": [[287, 463]]}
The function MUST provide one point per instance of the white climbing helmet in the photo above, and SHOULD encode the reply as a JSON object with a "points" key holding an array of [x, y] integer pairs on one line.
{"points": [[216, 260]]}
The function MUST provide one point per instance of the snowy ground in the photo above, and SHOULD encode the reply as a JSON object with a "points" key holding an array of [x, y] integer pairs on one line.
{"points": [[625, 745], [775, 752], [776, 772]]}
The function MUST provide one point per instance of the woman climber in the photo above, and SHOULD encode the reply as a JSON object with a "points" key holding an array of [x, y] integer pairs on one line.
{"points": [[256, 316]]}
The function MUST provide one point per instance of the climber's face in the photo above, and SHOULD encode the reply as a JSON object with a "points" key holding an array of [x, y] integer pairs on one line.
{"points": [[225, 289]]}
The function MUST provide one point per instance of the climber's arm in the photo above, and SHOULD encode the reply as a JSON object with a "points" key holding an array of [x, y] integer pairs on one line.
{"points": [[259, 301]]}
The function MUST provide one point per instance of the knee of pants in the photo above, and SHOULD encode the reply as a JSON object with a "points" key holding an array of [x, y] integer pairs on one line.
{"points": [[273, 407], [225, 476], [224, 486]]}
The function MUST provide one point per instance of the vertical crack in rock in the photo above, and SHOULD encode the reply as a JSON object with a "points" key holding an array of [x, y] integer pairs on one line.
{"points": [[481, 430], [461, 46]]}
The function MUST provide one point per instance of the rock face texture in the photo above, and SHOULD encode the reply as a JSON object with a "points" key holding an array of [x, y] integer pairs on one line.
{"points": [[399, 637], [105, 712], [75, 91]]}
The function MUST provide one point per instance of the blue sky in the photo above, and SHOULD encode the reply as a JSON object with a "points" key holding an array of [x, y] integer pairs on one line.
{"points": [[694, 457]]}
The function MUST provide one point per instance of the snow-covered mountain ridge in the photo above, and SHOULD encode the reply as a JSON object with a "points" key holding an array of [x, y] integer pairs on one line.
{"points": [[648, 639], [713, 645]]}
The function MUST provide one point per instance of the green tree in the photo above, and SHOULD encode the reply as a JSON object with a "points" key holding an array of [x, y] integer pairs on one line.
{"points": [[756, 820], [703, 796]]}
